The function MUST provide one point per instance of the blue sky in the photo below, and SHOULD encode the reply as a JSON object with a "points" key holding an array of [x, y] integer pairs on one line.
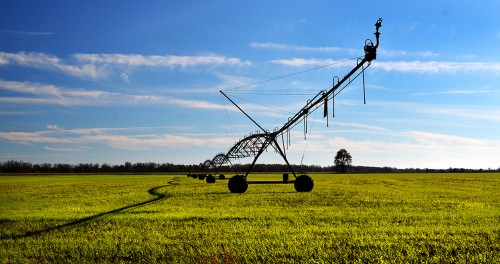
{"points": [[139, 81]]}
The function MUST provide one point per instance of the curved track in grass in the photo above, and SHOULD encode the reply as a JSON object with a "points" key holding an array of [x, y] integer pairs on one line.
{"points": [[153, 191]]}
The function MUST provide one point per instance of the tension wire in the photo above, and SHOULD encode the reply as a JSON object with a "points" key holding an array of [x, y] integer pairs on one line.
{"points": [[226, 117], [291, 74]]}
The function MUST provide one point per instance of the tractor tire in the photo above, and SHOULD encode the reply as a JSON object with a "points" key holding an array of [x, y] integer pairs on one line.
{"points": [[238, 184], [210, 179], [303, 183]]}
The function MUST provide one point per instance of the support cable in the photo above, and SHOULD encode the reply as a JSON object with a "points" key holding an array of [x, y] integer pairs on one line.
{"points": [[291, 74], [268, 106], [307, 141], [226, 118]]}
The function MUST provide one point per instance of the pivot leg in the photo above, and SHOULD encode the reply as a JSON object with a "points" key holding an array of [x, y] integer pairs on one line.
{"points": [[284, 157]]}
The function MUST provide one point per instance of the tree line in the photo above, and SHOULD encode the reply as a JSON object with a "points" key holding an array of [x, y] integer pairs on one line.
{"points": [[128, 167], [140, 167], [151, 167]]}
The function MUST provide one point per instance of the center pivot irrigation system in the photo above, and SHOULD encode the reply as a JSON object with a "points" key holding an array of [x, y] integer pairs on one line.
{"points": [[255, 144]]}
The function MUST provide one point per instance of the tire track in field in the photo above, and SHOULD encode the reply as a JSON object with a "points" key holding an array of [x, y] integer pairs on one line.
{"points": [[153, 191]]}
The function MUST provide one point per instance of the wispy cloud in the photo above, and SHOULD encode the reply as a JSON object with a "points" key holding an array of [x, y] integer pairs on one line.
{"points": [[32, 137], [383, 52], [487, 113], [410, 28], [46, 61], [227, 82], [458, 92], [278, 46], [413, 148], [26, 33], [72, 140], [50, 94], [404, 53], [471, 113], [41, 94], [99, 65], [17, 113], [437, 66], [168, 61], [301, 62], [58, 149], [403, 66], [269, 45]]}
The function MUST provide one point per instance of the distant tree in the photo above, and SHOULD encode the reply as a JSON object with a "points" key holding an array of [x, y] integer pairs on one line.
{"points": [[128, 166], [343, 161]]}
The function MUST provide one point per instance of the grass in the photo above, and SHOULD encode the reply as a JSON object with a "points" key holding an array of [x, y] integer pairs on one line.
{"points": [[394, 218]]}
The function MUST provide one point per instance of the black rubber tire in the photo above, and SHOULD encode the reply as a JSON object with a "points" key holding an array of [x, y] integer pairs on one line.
{"points": [[210, 179], [303, 183], [238, 184]]}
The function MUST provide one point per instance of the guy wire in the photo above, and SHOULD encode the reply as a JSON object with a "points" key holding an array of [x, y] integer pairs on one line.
{"points": [[291, 74], [226, 118]]}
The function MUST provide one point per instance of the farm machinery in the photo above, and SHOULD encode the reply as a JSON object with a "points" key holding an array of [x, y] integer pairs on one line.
{"points": [[255, 144]]}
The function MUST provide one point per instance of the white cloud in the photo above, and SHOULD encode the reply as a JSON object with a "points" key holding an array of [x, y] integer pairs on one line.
{"points": [[277, 46], [458, 92], [66, 149], [97, 66], [45, 61], [140, 142], [383, 52], [53, 127], [50, 94], [269, 45], [119, 138], [168, 61], [124, 76], [301, 62], [464, 112], [437, 66], [403, 66], [29, 88], [404, 53], [427, 138], [53, 95], [192, 103], [228, 83], [402, 149], [32, 58], [427, 54], [33, 137]]}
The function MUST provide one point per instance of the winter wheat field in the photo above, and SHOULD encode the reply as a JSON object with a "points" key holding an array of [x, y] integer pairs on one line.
{"points": [[365, 218]]}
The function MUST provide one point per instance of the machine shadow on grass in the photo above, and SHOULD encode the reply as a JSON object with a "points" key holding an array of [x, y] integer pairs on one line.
{"points": [[153, 191]]}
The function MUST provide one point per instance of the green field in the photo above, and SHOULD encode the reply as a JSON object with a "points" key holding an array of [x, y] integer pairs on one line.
{"points": [[435, 218]]}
